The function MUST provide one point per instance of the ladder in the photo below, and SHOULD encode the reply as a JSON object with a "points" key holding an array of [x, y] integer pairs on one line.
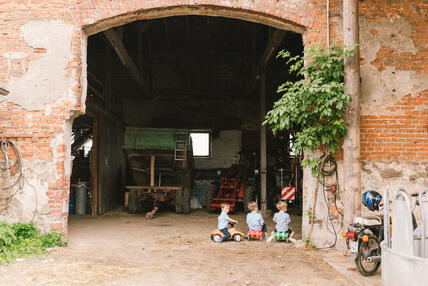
{"points": [[180, 150]]}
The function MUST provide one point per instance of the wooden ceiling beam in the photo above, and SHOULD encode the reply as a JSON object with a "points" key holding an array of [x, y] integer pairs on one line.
{"points": [[3, 91], [117, 44], [98, 81], [275, 40]]}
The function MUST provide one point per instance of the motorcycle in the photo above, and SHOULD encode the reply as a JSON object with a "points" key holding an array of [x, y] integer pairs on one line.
{"points": [[363, 239]]}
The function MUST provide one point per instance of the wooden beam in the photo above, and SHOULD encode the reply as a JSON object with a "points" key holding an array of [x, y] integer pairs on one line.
{"points": [[95, 78], [351, 144], [100, 83], [126, 60], [3, 91], [96, 92], [152, 171], [271, 48], [95, 172]]}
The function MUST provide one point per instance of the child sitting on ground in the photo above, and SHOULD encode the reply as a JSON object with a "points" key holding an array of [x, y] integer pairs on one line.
{"points": [[282, 219], [254, 219], [223, 221]]}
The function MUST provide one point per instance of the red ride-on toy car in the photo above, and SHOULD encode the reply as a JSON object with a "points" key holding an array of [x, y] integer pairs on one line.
{"points": [[255, 234]]}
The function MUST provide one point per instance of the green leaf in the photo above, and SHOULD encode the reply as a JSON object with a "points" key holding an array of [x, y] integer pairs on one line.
{"points": [[313, 105]]}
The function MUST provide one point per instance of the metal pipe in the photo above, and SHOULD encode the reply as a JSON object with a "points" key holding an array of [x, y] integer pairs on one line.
{"points": [[328, 23]]}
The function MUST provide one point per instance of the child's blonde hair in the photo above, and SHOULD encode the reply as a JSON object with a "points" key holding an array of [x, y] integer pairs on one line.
{"points": [[223, 205], [252, 205], [281, 205]]}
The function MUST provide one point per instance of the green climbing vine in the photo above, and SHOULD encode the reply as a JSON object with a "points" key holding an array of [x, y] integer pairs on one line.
{"points": [[314, 107]]}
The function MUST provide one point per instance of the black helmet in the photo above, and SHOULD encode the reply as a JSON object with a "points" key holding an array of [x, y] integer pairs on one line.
{"points": [[371, 200]]}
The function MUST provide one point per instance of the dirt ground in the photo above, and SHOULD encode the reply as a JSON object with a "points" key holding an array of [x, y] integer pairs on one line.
{"points": [[123, 249]]}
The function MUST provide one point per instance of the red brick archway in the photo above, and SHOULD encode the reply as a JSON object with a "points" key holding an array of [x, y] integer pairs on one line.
{"points": [[86, 17], [93, 17], [97, 15]]}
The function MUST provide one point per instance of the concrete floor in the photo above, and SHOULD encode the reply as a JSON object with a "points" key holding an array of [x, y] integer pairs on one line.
{"points": [[123, 249]]}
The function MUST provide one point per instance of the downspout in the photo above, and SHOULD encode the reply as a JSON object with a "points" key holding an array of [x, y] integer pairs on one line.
{"points": [[328, 23]]}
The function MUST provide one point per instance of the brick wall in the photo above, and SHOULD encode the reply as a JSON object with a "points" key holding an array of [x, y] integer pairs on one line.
{"points": [[400, 129]]}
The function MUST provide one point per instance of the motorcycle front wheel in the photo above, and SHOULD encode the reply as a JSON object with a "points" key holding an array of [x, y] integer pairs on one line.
{"points": [[367, 249]]}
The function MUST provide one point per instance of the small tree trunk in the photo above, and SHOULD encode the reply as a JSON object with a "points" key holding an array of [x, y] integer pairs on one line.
{"points": [[315, 198]]}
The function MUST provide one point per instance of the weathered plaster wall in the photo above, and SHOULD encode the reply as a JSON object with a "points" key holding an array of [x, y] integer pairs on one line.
{"points": [[36, 114], [224, 148], [41, 79]]}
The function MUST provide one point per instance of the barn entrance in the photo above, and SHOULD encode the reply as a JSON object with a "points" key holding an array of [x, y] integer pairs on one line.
{"points": [[209, 78]]}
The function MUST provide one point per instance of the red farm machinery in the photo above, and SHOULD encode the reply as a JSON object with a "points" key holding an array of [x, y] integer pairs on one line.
{"points": [[236, 186]]}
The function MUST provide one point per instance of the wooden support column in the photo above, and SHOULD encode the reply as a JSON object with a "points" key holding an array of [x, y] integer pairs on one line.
{"points": [[107, 79], [351, 145], [152, 171], [263, 164], [94, 167], [275, 40]]}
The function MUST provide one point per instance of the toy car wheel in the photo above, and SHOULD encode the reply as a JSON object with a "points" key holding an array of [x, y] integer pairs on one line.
{"points": [[237, 237], [216, 238]]}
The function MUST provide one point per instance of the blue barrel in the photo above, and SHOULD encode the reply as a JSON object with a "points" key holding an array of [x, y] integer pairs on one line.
{"points": [[71, 206]]}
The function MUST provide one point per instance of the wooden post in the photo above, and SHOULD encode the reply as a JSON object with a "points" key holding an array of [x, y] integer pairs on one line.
{"points": [[351, 145], [152, 171], [107, 79], [95, 172], [263, 165]]}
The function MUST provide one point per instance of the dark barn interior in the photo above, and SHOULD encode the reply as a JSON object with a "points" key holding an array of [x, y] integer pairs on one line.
{"points": [[196, 73]]}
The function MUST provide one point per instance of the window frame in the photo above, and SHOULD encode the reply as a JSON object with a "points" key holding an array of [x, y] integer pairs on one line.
{"points": [[202, 131]]}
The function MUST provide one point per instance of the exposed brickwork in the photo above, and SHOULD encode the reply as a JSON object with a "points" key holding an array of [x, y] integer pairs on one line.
{"points": [[402, 135]]}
